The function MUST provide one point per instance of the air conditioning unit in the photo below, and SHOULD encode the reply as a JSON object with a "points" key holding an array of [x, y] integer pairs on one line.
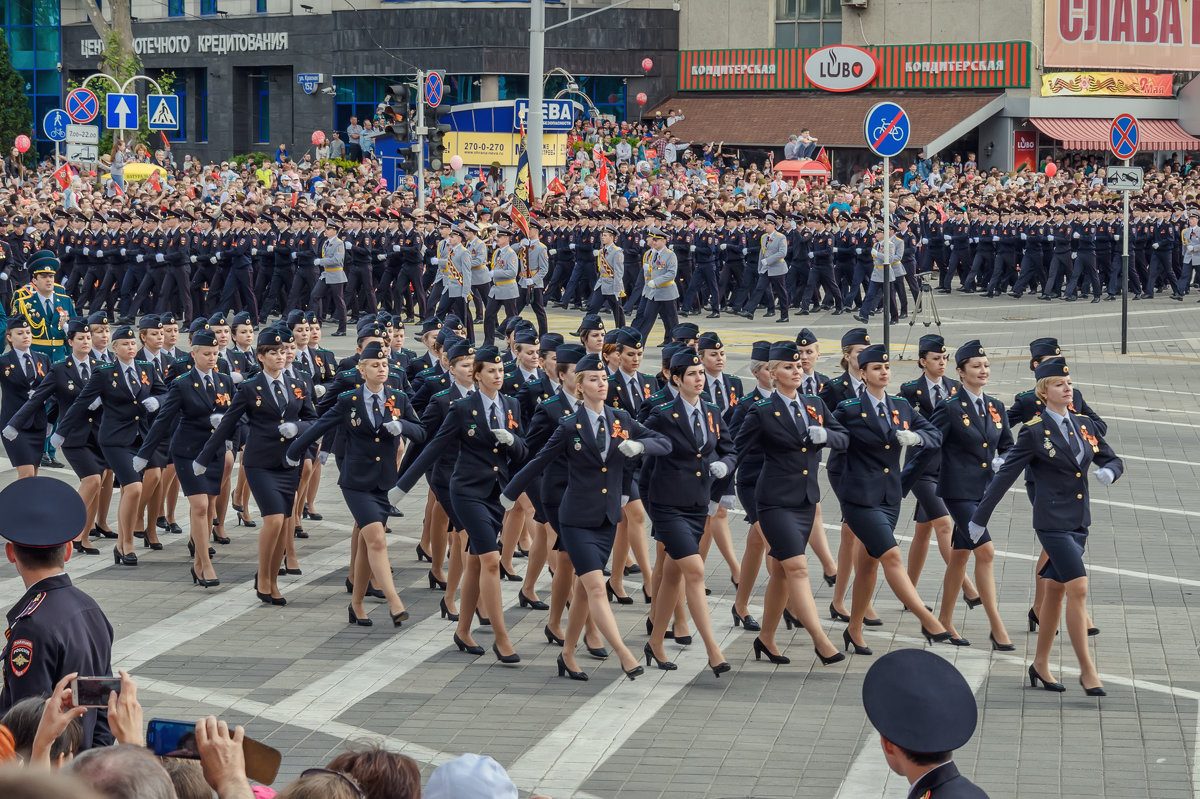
{"points": [[854, 3]]}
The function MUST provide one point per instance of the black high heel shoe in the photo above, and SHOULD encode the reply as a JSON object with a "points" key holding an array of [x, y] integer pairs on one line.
{"points": [[1033, 620], [665, 665], [720, 669], [354, 619], [999, 647], [551, 638], [482, 620], [636, 671], [1093, 630], [203, 583], [791, 621], [220, 539], [124, 559], [563, 671], [760, 649], [247, 522], [1056, 687], [1097, 691], [446, 614], [645, 595], [748, 622], [935, 638], [512, 577], [682, 640], [435, 584], [79, 546], [398, 619], [100, 532], [959, 641], [532, 604], [298, 532], [972, 603], [598, 652], [621, 600], [873, 622], [242, 508], [192, 550], [422, 555], [307, 514], [858, 650], [830, 579], [463, 646], [836, 657], [162, 524], [154, 545], [833, 614], [513, 658]]}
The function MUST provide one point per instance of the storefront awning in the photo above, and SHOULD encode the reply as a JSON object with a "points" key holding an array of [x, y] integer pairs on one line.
{"points": [[1092, 134], [766, 120]]}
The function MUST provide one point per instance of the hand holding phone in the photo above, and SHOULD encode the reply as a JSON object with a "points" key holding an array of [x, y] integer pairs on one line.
{"points": [[93, 691], [225, 754]]}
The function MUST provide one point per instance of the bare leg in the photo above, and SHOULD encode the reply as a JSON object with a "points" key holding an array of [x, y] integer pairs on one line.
{"points": [[620, 556], [373, 547], [454, 576], [439, 525], [1077, 624], [752, 557], [89, 492], [510, 531], [918, 549], [536, 561], [576, 619], [105, 501], [897, 578], [692, 569], [171, 493], [199, 519], [270, 554], [795, 572], [774, 600], [313, 486], [590, 591], [470, 597], [849, 554], [560, 591], [127, 516], [719, 525], [985, 578], [944, 528], [490, 600], [665, 595], [818, 544], [956, 569], [1050, 614]]}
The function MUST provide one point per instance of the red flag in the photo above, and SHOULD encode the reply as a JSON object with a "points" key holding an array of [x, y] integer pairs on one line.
{"points": [[154, 182], [62, 176], [166, 143], [556, 186], [823, 159], [117, 190], [602, 179]]}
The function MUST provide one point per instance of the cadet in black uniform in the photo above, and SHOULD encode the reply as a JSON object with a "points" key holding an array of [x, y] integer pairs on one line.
{"points": [[21, 370], [1057, 446], [54, 629]]}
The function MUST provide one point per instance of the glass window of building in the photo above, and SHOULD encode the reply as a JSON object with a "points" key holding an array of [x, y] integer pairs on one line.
{"points": [[35, 44], [262, 130], [808, 23], [208, 6], [175, 8]]}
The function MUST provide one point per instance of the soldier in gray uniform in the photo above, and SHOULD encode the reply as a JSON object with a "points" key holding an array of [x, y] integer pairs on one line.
{"points": [[532, 281], [772, 271], [455, 271], [881, 260], [332, 279], [661, 293], [480, 280], [610, 282], [506, 267], [1191, 254]]}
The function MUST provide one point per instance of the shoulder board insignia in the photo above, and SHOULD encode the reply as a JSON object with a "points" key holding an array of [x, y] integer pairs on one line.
{"points": [[442, 393], [1025, 393], [910, 383], [347, 373], [902, 399], [763, 401], [549, 400], [103, 366], [33, 605], [846, 403], [1035, 420], [347, 393]]}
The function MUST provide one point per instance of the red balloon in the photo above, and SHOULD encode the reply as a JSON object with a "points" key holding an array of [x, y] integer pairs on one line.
{"points": [[1051, 169], [613, 99], [641, 98], [318, 138], [647, 64], [22, 143]]}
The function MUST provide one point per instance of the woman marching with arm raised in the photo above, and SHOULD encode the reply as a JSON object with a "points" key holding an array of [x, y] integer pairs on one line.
{"points": [[1058, 446], [594, 442]]}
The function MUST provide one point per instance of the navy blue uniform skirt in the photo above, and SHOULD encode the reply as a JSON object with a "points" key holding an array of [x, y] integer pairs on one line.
{"points": [[1065, 549], [208, 484], [367, 507], [679, 529], [874, 526], [274, 490], [85, 461], [786, 529], [482, 519], [961, 510], [442, 494], [588, 547], [120, 460], [929, 505], [26, 448]]}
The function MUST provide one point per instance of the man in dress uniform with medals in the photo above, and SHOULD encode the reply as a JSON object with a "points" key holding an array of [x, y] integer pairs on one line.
{"points": [[54, 629]]}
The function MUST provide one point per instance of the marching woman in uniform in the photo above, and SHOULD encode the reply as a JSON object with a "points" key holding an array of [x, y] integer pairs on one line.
{"points": [[64, 382], [128, 390], [150, 334], [275, 410], [975, 440], [21, 370], [869, 489], [591, 446], [679, 488], [191, 411], [483, 431], [790, 430], [1058, 446], [373, 419]]}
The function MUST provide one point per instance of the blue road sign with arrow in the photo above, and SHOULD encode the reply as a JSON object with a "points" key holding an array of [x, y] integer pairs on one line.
{"points": [[121, 111]]}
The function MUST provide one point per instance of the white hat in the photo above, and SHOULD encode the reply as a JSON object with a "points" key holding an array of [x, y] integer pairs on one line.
{"points": [[476, 776]]}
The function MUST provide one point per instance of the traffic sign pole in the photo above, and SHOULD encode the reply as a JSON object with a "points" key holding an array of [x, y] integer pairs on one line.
{"points": [[420, 159], [887, 254], [886, 129], [1125, 271]]}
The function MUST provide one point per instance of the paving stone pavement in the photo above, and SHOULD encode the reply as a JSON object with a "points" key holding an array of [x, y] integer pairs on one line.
{"points": [[305, 683]]}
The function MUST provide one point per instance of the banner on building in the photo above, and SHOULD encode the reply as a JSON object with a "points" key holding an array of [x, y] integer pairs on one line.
{"points": [[1025, 150], [1094, 84], [505, 148], [1122, 34], [994, 65]]}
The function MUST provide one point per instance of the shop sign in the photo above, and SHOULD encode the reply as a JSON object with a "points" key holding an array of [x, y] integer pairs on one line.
{"points": [[841, 68], [217, 43], [1123, 34], [1025, 150], [1095, 84], [485, 148]]}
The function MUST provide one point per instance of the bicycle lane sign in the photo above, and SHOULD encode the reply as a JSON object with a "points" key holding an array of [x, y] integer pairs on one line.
{"points": [[886, 129]]}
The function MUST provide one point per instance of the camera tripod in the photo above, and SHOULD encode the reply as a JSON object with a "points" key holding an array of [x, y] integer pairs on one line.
{"points": [[925, 310]]}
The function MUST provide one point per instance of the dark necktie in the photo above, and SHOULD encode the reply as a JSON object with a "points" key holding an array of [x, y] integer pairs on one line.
{"points": [[1072, 439], [83, 371], [312, 366], [979, 407], [157, 364], [810, 386], [882, 408], [601, 438], [697, 428], [937, 394], [635, 395], [280, 398], [29, 370], [376, 411], [719, 394], [493, 420], [798, 416], [210, 387], [48, 305], [131, 376]]}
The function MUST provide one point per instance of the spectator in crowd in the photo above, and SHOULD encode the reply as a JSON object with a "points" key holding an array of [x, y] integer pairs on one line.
{"points": [[23, 720], [187, 776], [789, 149], [381, 774], [120, 155], [354, 140], [623, 151], [281, 154], [337, 147], [366, 139], [470, 775], [806, 146], [28, 783], [124, 771]]}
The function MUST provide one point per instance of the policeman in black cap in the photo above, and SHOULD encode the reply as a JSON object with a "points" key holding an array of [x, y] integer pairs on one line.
{"points": [[54, 629], [923, 709]]}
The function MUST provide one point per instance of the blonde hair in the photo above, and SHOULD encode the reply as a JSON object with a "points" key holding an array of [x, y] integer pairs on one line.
{"points": [[1043, 385]]}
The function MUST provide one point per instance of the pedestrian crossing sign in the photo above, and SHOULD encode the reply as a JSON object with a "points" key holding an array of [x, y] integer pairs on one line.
{"points": [[164, 111]]}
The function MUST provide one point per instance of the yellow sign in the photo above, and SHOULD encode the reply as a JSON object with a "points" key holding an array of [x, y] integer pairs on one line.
{"points": [[482, 149], [1125, 84]]}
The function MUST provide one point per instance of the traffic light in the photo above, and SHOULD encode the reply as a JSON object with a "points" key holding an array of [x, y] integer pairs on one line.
{"points": [[396, 112], [437, 135]]}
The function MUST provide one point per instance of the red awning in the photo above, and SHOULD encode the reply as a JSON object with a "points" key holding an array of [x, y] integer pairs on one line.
{"points": [[1092, 134]]}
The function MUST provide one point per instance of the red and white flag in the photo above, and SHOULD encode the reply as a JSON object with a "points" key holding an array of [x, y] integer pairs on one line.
{"points": [[62, 176], [602, 177], [556, 186]]}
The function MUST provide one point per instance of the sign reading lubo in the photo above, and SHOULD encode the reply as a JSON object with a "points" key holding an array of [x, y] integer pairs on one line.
{"points": [[996, 65]]}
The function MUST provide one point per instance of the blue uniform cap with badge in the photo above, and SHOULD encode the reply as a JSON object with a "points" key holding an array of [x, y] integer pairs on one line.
{"points": [[240, 318], [685, 331], [709, 341], [458, 348], [550, 342], [487, 355], [972, 349], [98, 318], [806, 338], [270, 337], [684, 358], [149, 322], [628, 337], [1044, 348], [1052, 367], [43, 262], [18, 322], [204, 338], [875, 353], [296, 318], [854, 337], [218, 320], [373, 351], [429, 325], [760, 351], [784, 351], [931, 343], [122, 333], [589, 363], [75, 326], [525, 336], [919, 701], [569, 353], [197, 326], [41, 512], [590, 321]]}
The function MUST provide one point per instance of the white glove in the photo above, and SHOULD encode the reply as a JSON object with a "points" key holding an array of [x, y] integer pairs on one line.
{"points": [[150, 404], [924, 241], [553, 252], [99, 253], [505, 502], [858, 250], [642, 243], [908, 438], [395, 248], [624, 499], [1116, 237], [995, 238], [595, 252], [745, 251], [728, 502], [817, 434], [319, 390], [158, 257], [946, 238], [3, 275], [997, 463], [811, 255], [1023, 237], [395, 495], [1074, 255], [1049, 238], [9, 432], [1074, 235], [1154, 246], [198, 469], [1106, 476], [718, 469], [380, 257], [122, 251], [215, 419], [68, 249], [87, 251], [212, 259], [254, 251], [322, 457], [140, 258], [139, 463], [692, 248], [503, 437], [95, 404], [723, 247], [237, 377], [976, 531], [435, 261], [712, 508], [394, 428], [56, 440], [29, 394], [229, 446], [630, 448], [293, 256], [288, 429], [290, 461], [192, 259], [270, 248]]}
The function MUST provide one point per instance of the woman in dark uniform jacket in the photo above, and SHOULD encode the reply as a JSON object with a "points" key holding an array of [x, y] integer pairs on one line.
{"points": [[276, 410], [975, 439], [678, 490], [790, 429], [925, 394], [64, 382], [128, 390], [154, 473], [869, 490], [191, 412], [591, 446], [21, 370], [372, 419], [1057, 446], [484, 432]]}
